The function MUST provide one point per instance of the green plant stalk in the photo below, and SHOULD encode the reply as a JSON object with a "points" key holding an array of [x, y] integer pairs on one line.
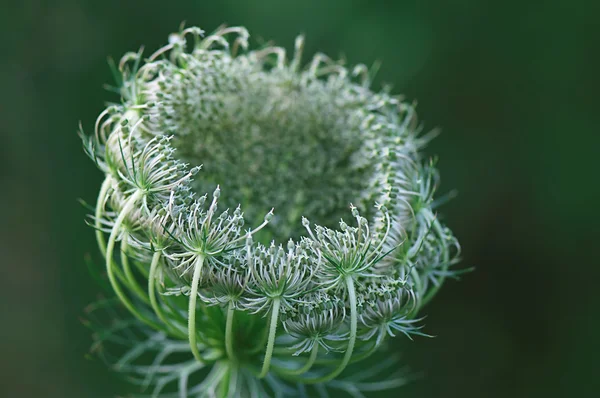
{"points": [[192, 307], [229, 333], [352, 340], [131, 282], [98, 215], [152, 296], [271, 341], [110, 264]]}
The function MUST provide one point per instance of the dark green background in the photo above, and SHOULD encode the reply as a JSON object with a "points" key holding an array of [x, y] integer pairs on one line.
{"points": [[514, 87]]}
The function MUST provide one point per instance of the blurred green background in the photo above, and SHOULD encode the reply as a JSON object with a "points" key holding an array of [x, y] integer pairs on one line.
{"points": [[514, 87]]}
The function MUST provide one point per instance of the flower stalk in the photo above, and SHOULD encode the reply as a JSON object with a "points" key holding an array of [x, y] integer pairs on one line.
{"points": [[192, 307], [271, 340]]}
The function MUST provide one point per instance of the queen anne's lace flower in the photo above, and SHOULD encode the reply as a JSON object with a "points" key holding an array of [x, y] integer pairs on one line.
{"points": [[238, 290]]}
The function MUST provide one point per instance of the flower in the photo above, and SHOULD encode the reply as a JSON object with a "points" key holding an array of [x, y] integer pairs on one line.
{"points": [[278, 145], [278, 274], [316, 322], [387, 309]]}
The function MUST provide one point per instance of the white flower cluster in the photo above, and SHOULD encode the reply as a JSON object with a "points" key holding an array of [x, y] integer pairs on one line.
{"points": [[287, 304]]}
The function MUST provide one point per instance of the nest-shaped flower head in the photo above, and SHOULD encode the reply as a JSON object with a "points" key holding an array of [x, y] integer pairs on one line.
{"points": [[265, 223]]}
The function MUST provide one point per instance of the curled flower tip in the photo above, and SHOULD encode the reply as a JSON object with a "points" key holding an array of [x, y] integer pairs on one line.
{"points": [[269, 215]]}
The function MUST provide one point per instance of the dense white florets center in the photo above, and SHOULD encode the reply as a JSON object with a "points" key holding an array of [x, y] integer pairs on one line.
{"points": [[270, 138]]}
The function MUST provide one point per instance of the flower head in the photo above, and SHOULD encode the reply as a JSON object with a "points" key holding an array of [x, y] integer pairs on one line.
{"points": [[278, 273], [387, 309], [284, 149], [318, 320]]}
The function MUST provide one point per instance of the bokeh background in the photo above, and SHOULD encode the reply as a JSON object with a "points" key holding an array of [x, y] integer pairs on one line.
{"points": [[514, 87]]}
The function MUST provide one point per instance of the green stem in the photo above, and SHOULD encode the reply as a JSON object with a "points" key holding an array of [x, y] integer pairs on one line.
{"points": [[307, 365], [131, 282], [152, 295], [110, 263], [192, 307], [98, 215], [351, 341], [271, 340], [229, 332]]}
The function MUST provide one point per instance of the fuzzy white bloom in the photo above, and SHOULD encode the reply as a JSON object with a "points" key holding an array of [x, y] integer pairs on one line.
{"points": [[243, 281]]}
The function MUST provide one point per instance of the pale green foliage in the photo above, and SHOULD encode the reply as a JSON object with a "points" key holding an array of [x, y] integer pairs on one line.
{"points": [[208, 294]]}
